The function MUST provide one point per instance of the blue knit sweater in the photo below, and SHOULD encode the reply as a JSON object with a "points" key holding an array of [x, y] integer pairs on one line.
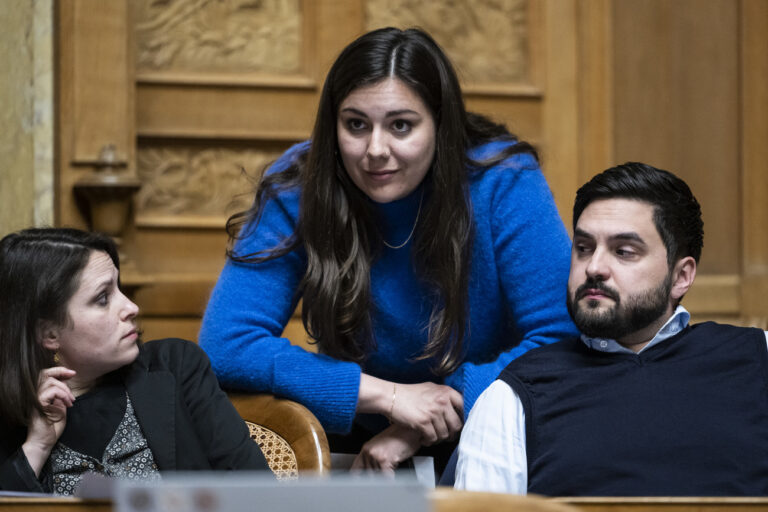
{"points": [[517, 290]]}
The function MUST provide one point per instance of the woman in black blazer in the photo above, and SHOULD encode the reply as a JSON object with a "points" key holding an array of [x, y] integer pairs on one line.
{"points": [[80, 391]]}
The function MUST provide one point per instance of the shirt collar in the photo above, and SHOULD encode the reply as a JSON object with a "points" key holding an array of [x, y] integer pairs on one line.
{"points": [[674, 325]]}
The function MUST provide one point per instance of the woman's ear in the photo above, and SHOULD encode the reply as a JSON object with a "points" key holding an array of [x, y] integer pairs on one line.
{"points": [[48, 335]]}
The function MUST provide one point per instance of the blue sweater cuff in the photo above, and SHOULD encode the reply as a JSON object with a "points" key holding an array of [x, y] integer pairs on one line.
{"points": [[329, 389]]}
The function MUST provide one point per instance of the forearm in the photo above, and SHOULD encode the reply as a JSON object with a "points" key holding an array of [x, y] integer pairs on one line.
{"points": [[17, 475], [36, 455], [241, 333], [376, 396]]}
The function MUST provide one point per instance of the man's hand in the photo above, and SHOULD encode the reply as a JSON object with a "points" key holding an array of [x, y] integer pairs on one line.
{"points": [[386, 450]]}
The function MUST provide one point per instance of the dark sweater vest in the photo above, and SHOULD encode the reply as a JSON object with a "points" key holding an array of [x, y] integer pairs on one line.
{"points": [[686, 417]]}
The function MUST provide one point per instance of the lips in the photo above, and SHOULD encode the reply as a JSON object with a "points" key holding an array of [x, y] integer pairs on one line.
{"points": [[380, 175], [130, 333], [596, 291], [592, 293]]}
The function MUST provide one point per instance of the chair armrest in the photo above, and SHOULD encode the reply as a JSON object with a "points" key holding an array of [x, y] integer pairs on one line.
{"points": [[291, 421]]}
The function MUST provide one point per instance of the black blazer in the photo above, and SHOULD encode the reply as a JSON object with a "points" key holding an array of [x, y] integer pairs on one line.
{"points": [[188, 421]]}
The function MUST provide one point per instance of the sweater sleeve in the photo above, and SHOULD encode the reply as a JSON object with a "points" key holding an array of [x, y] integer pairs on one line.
{"points": [[532, 253], [247, 312], [15, 472]]}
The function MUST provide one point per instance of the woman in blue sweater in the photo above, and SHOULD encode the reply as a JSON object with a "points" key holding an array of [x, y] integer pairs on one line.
{"points": [[424, 243]]}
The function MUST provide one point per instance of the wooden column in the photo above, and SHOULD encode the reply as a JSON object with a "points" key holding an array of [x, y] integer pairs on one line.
{"points": [[754, 184]]}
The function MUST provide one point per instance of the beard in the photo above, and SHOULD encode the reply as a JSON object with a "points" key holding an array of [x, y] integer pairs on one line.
{"points": [[626, 316]]}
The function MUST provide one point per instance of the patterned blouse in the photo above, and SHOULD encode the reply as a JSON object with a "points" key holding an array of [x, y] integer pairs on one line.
{"points": [[127, 455]]}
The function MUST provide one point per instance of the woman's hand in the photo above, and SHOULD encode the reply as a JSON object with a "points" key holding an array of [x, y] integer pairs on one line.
{"points": [[45, 430], [433, 410], [386, 450]]}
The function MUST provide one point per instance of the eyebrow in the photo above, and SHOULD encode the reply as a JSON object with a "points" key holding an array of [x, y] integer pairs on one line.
{"points": [[105, 283], [390, 113], [629, 236]]}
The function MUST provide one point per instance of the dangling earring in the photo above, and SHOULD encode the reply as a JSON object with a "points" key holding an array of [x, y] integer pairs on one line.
{"points": [[56, 358]]}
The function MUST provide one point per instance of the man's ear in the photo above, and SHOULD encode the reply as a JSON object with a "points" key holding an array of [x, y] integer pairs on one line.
{"points": [[683, 275], [48, 335]]}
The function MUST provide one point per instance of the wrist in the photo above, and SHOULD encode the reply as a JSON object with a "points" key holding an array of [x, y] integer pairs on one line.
{"points": [[392, 405], [375, 395], [37, 454]]}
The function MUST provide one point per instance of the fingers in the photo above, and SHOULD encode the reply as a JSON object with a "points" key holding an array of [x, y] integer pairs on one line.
{"points": [[457, 401], [57, 372], [454, 422], [434, 410], [387, 449], [49, 395], [52, 388], [447, 419], [360, 463]]}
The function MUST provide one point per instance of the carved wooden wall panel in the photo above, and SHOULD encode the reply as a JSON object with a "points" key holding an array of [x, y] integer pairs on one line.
{"points": [[197, 182], [210, 36], [487, 40]]}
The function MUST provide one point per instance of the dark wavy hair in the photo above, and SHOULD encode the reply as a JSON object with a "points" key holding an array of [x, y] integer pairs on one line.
{"points": [[676, 213], [40, 271], [335, 224]]}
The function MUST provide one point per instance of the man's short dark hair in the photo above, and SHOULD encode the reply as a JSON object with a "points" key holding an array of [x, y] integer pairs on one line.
{"points": [[677, 213]]}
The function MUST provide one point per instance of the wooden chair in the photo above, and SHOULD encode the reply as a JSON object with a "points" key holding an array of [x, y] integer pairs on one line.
{"points": [[290, 436]]}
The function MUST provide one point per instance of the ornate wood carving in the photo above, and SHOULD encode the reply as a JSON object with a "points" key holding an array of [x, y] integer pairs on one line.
{"points": [[209, 36], [487, 40], [198, 182]]}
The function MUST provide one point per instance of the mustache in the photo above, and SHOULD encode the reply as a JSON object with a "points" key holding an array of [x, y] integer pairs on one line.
{"points": [[592, 284]]}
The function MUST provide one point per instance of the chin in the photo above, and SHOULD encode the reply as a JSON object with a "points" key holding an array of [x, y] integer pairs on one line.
{"points": [[130, 355], [382, 198]]}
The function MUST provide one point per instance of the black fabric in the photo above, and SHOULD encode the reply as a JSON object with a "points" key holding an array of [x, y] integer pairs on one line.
{"points": [[188, 421], [688, 416], [94, 417]]}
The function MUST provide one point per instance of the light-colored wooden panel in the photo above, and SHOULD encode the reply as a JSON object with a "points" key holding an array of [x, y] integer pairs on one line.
{"points": [[178, 251], [487, 42], [188, 326], [174, 294], [295, 332], [665, 504], [95, 95], [676, 90], [177, 327], [103, 110], [184, 181], [754, 108], [595, 87], [521, 115], [714, 295], [225, 112], [560, 110], [206, 37]]}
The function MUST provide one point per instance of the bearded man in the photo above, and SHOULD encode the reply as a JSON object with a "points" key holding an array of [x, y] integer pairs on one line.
{"points": [[643, 403]]}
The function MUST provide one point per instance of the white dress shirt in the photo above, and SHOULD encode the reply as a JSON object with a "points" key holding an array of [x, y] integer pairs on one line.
{"points": [[492, 454]]}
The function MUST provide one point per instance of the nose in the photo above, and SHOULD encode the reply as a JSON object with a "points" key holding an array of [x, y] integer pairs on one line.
{"points": [[597, 266], [378, 145], [129, 310]]}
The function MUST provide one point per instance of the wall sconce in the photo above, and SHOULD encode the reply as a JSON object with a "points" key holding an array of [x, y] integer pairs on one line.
{"points": [[108, 192]]}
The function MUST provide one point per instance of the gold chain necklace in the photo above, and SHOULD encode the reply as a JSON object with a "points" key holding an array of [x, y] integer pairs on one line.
{"points": [[413, 229]]}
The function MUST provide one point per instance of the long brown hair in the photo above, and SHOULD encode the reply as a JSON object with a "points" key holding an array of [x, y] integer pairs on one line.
{"points": [[335, 224]]}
